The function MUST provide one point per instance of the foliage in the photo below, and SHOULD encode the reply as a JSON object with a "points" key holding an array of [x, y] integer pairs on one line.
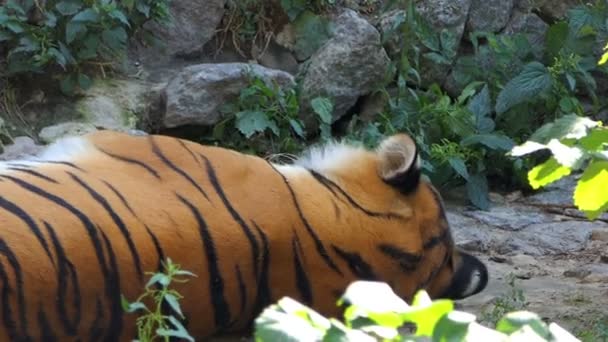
{"points": [[266, 115], [156, 323], [374, 312], [576, 143], [70, 36], [513, 300]]}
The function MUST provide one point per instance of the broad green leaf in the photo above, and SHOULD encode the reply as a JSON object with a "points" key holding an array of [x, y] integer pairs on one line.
{"points": [[131, 307], [50, 19], [179, 330], [568, 126], [477, 191], [596, 140], [84, 81], [72, 29], [546, 173], [323, 107], [172, 300], [293, 8], [117, 14], [534, 80], [115, 38], [87, 15], [68, 7], [251, 122], [297, 127], [159, 278], [556, 36], [493, 141], [514, 321], [468, 92], [591, 193], [67, 85], [453, 327], [459, 166], [437, 58], [426, 317], [357, 297], [281, 322]]}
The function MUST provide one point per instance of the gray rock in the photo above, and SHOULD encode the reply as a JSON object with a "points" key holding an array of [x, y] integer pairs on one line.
{"points": [[549, 238], [489, 15], [442, 14], [192, 24], [557, 9], [512, 218], [20, 148], [350, 64], [52, 133], [195, 95], [388, 24], [532, 26]]}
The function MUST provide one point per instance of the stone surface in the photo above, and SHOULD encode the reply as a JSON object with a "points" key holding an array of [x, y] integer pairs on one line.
{"points": [[532, 26], [191, 25], [51, 133], [350, 64], [20, 148], [195, 95], [510, 218], [489, 15]]}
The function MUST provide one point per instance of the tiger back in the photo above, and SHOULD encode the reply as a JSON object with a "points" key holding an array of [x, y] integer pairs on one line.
{"points": [[82, 224]]}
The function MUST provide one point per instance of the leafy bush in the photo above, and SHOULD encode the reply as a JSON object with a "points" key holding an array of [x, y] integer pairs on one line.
{"points": [[576, 143], [156, 322], [69, 37], [374, 312], [266, 116]]}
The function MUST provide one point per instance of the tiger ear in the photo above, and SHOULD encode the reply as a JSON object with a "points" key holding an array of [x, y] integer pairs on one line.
{"points": [[399, 164]]}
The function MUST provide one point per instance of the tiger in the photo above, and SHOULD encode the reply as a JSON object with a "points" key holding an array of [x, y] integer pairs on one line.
{"points": [[84, 222]]}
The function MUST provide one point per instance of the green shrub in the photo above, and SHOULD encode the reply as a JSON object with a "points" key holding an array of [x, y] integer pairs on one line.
{"points": [[373, 312], [155, 323], [71, 37]]}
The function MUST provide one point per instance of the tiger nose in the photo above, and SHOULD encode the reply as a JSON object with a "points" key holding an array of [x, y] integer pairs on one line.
{"points": [[469, 279]]}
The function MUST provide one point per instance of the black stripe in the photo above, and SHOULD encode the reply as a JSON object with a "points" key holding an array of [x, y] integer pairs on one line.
{"points": [[62, 163], [7, 313], [318, 244], [120, 196], [435, 240], [432, 275], [216, 282], [113, 292], [96, 330], [33, 173], [12, 260], [302, 281], [47, 334], [242, 288], [358, 266], [172, 166], [108, 274], [264, 294], [132, 161], [157, 247], [332, 187], [255, 248], [66, 273], [407, 261], [117, 221], [29, 221], [439, 201]]}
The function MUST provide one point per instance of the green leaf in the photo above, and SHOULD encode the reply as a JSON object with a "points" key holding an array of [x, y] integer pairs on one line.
{"points": [[323, 107], [514, 321], [117, 14], [172, 300], [596, 140], [477, 191], [568, 126], [131, 307], [426, 314], [87, 15], [68, 7], [251, 122], [115, 38], [481, 107], [526, 148], [84, 81], [293, 8], [556, 36], [357, 297], [547, 173], [437, 58], [291, 321], [454, 326], [459, 166], [67, 85], [534, 80], [297, 127], [179, 330], [591, 193], [159, 278], [50, 19], [311, 31], [493, 141], [72, 29], [571, 157]]}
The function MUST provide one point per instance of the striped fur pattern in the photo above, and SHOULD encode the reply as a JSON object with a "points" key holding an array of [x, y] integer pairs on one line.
{"points": [[81, 224]]}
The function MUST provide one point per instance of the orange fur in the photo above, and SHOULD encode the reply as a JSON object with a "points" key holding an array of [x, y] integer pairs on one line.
{"points": [[349, 207]]}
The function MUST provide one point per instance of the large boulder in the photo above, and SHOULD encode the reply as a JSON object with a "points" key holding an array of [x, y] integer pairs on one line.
{"points": [[191, 24], [489, 15], [530, 24], [196, 94], [350, 64]]}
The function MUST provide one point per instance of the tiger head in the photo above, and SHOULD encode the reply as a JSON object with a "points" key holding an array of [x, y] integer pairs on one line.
{"points": [[397, 227]]}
